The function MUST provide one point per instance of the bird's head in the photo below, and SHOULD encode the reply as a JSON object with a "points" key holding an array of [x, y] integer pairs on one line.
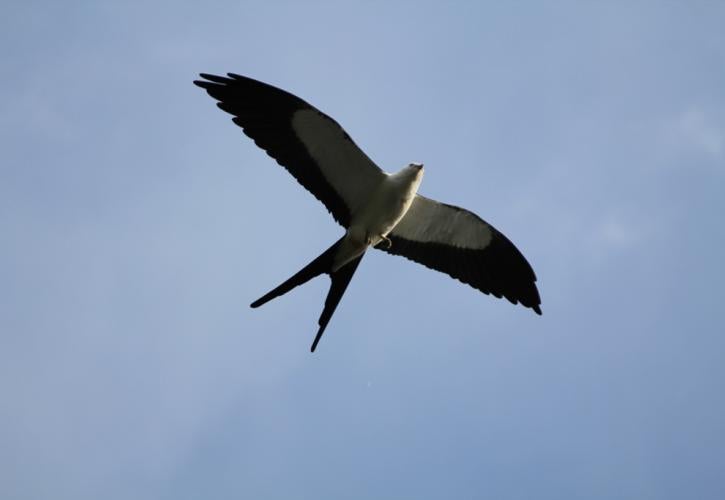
{"points": [[414, 170]]}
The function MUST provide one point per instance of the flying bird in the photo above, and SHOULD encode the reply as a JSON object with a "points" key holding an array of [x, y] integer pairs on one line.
{"points": [[376, 208]]}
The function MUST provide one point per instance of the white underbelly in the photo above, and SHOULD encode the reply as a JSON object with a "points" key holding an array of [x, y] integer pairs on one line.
{"points": [[386, 208], [380, 215]]}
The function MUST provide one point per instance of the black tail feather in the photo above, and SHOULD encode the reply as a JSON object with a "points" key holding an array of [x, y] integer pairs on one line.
{"points": [[321, 265], [340, 279]]}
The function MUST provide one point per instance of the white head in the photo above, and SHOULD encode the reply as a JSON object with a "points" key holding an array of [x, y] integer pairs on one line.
{"points": [[412, 172], [414, 169]]}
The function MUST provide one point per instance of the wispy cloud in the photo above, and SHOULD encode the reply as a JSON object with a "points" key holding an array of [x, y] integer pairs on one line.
{"points": [[696, 130], [615, 233]]}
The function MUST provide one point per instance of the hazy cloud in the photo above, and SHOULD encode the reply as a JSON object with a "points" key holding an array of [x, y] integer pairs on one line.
{"points": [[696, 130]]}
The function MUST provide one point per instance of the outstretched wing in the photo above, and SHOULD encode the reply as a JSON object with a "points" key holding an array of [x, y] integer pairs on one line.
{"points": [[309, 144], [461, 244]]}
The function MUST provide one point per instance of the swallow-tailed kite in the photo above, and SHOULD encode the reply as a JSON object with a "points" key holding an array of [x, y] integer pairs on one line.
{"points": [[377, 209]]}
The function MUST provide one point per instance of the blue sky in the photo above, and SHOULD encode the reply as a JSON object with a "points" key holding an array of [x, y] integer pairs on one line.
{"points": [[138, 223]]}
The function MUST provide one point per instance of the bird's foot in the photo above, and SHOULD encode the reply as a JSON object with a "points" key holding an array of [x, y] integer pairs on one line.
{"points": [[385, 242]]}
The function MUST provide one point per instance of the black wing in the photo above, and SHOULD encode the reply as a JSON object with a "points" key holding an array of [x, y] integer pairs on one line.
{"points": [[461, 244], [309, 144]]}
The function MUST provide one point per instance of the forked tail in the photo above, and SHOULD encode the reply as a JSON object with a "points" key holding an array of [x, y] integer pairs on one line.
{"points": [[321, 265]]}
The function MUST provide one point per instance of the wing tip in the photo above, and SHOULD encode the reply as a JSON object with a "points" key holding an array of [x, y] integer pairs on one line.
{"points": [[210, 81]]}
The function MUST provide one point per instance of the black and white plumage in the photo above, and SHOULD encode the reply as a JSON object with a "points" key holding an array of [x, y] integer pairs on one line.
{"points": [[377, 209]]}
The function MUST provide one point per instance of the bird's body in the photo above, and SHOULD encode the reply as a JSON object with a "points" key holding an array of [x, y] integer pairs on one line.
{"points": [[377, 209], [387, 205]]}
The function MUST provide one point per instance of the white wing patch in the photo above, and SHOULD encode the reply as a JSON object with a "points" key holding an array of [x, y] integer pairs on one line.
{"points": [[428, 221], [346, 168]]}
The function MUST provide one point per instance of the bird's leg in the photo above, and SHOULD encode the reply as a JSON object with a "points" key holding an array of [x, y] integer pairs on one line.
{"points": [[368, 238], [383, 242]]}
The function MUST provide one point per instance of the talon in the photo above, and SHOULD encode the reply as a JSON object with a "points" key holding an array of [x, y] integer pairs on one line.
{"points": [[387, 242]]}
